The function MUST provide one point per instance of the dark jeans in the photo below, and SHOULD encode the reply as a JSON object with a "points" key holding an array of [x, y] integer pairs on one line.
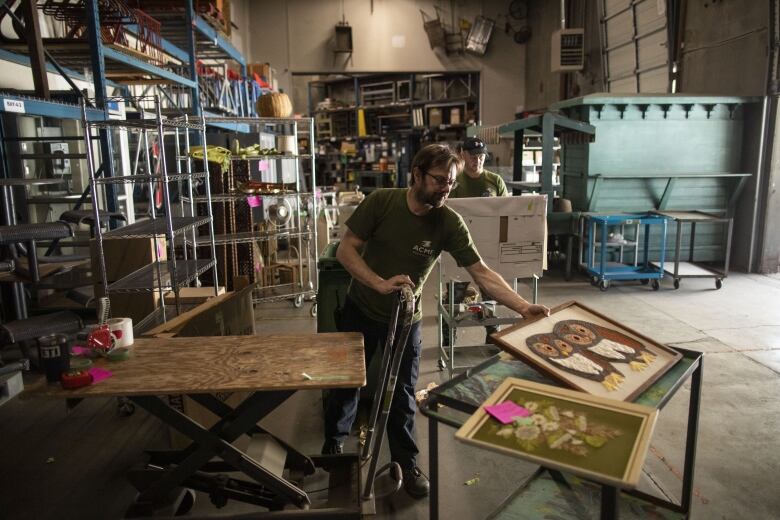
{"points": [[342, 403]]}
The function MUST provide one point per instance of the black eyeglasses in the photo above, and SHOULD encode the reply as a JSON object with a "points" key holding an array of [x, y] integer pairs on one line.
{"points": [[442, 181]]}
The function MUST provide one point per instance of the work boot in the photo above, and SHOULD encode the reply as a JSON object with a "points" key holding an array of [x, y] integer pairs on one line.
{"points": [[331, 447], [416, 483]]}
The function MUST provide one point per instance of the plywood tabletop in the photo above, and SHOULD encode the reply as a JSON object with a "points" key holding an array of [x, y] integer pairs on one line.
{"points": [[161, 366]]}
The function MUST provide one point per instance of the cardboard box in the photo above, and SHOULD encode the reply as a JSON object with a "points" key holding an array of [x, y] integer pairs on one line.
{"points": [[510, 234], [193, 295], [123, 257]]}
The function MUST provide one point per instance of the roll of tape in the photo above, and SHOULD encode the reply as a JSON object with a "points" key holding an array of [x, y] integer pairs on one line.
{"points": [[286, 144], [119, 354], [122, 328]]}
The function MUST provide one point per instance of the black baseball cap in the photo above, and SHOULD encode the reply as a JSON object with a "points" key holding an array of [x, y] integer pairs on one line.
{"points": [[474, 145]]}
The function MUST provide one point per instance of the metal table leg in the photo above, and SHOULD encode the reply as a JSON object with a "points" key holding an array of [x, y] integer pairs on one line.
{"points": [[690, 439], [433, 461], [609, 503]]}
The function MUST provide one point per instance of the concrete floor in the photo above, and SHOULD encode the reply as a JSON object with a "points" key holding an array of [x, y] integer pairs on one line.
{"points": [[58, 465]]}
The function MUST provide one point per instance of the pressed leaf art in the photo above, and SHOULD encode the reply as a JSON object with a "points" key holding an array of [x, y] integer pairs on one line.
{"points": [[558, 429], [598, 438], [583, 349]]}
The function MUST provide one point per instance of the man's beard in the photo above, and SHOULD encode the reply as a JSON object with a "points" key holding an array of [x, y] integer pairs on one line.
{"points": [[434, 199]]}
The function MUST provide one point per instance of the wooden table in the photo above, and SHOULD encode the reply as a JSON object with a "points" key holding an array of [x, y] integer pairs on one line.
{"points": [[269, 368]]}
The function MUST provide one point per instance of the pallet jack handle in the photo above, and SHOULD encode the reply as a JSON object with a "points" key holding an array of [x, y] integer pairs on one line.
{"points": [[395, 344]]}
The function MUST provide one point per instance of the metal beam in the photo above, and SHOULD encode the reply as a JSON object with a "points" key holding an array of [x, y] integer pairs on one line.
{"points": [[32, 33], [99, 77], [37, 107], [573, 124], [21, 59], [189, 15], [210, 33], [167, 46], [548, 141], [520, 124], [142, 66]]}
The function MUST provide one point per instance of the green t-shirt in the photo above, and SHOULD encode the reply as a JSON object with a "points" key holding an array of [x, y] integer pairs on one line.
{"points": [[488, 184], [400, 242]]}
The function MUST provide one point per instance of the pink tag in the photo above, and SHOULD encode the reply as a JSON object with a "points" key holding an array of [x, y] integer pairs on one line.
{"points": [[507, 411], [253, 201], [79, 351], [99, 374], [262, 165]]}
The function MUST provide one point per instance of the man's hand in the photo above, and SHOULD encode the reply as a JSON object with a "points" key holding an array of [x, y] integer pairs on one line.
{"points": [[393, 284], [535, 310]]}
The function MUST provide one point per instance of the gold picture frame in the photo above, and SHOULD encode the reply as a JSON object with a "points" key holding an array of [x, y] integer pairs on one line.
{"points": [[582, 349], [596, 438]]}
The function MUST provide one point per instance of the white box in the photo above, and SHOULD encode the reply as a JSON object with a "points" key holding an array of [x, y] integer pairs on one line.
{"points": [[510, 234]]}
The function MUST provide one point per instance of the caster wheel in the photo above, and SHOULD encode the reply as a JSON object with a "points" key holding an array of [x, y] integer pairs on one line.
{"points": [[718, 283], [677, 284], [644, 282], [125, 408], [313, 311], [441, 364], [656, 285], [298, 301], [604, 285], [187, 501], [594, 280], [219, 500]]}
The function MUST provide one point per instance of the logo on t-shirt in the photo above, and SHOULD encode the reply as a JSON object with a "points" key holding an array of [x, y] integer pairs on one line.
{"points": [[425, 248], [488, 193]]}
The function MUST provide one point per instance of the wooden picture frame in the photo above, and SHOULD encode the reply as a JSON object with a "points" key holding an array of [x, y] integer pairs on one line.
{"points": [[582, 349], [596, 438]]}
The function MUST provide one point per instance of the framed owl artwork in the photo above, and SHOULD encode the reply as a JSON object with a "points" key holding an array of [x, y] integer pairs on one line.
{"points": [[587, 351]]}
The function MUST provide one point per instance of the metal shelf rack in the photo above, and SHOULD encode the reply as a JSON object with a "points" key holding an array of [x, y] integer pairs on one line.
{"points": [[450, 321], [182, 265], [300, 230]]}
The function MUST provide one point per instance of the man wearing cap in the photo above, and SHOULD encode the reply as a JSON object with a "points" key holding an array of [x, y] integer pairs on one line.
{"points": [[475, 180], [393, 239]]}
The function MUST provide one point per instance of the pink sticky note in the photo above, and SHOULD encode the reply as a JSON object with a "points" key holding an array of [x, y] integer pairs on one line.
{"points": [[507, 411], [262, 165], [99, 374], [253, 201]]}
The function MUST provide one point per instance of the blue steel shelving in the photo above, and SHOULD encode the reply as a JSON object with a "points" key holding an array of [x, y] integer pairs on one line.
{"points": [[186, 36]]}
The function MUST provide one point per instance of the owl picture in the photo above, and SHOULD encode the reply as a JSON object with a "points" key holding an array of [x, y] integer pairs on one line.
{"points": [[605, 343], [575, 359]]}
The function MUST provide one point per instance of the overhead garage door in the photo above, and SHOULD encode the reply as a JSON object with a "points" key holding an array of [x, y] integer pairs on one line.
{"points": [[634, 45]]}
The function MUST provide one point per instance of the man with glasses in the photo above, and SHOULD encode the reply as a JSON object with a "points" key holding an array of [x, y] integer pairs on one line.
{"points": [[393, 239], [475, 180]]}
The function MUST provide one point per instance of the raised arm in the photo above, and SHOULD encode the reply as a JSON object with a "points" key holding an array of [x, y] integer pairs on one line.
{"points": [[348, 254], [497, 287]]}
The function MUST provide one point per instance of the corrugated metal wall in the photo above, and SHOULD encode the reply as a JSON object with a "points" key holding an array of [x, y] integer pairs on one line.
{"points": [[634, 45]]}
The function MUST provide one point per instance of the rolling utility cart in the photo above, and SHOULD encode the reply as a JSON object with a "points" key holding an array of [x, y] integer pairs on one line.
{"points": [[450, 320], [600, 240], [690, 269]]}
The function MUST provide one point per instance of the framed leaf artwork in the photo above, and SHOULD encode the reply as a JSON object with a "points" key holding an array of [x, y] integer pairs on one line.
{"points": [[587, 351], [596, 438]]}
